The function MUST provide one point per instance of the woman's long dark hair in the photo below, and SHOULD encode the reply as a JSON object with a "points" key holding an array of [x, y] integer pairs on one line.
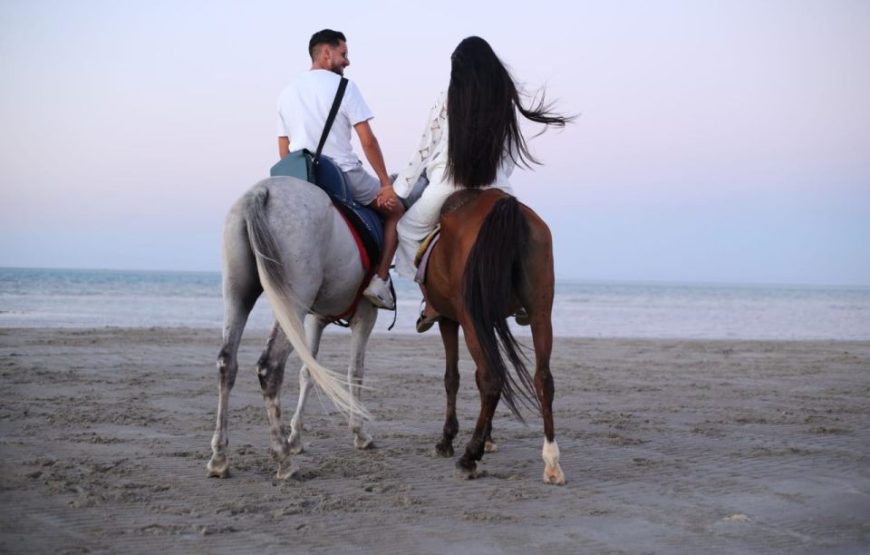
{"points": [[482, 105]]}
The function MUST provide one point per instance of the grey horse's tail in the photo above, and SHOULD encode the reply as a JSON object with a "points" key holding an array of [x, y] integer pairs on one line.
{"points": [[285, 304]]}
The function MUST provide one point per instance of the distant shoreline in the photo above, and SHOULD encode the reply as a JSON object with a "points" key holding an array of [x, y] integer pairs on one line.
{"points": [[57, 298], [563, 279]]}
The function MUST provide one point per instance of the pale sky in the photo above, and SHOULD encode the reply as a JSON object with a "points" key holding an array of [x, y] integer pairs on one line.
{"points": [[717, 141]]}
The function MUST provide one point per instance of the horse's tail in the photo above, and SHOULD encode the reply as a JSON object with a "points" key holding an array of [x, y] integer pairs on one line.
{"points": [[285, 304], [492, 271]]}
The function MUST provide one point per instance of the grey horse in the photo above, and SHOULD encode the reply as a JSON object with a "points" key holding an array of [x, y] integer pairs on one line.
{"points": [[285, 237]]}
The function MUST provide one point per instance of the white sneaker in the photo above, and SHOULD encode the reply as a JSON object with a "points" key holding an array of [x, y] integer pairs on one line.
{"points": [[379, 294]]}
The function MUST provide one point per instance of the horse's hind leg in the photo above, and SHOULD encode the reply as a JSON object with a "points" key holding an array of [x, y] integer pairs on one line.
{"points": [[313, 331], [270, 371], [536, 295], [542, 336], [490, 393], [237, 308], [489, 444], [450, 338], [361, 328]]}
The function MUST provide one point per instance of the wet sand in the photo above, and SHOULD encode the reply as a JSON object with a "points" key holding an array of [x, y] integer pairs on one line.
{"points": [[668, 447]]}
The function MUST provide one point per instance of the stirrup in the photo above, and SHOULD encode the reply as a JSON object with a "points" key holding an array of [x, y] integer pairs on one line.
{"points": [[424, 322]]}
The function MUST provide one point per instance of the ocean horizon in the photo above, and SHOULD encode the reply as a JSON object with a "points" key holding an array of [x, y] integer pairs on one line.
{"points": [[83, 298]]}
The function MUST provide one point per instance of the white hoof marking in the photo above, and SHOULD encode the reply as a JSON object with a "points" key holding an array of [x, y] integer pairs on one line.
{"points": [[552, 471], [218, 467]]}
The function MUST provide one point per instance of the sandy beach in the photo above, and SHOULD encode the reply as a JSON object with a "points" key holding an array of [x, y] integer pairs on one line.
{"points": [[668, 447]]}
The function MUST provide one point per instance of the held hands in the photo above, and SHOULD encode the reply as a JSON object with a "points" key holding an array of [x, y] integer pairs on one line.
{"points": [[387, 198]]}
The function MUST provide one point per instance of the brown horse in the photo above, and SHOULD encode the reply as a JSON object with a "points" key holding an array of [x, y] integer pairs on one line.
{"points": [[495, 255]]}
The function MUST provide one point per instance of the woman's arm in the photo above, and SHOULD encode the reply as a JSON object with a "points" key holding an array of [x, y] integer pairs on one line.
{"points": [[432, 134]]}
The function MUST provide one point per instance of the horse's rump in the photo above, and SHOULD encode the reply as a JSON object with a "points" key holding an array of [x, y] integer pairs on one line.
{"points": [[285, 303]]}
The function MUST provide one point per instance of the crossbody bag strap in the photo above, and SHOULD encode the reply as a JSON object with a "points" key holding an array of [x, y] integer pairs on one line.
{"points": [[331, 118]]}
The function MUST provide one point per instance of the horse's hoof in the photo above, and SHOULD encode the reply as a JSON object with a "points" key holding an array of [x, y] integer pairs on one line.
{"points": [[294, 444], [554, 476], [464, 474], [218, 467], [552, 471], [362, 440], [286, 470], [490, 446], [461, 472], [444, 449]]}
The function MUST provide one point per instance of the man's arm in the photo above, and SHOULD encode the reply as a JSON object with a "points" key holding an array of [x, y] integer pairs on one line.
{"points": [[372, 150], [283, 147]]}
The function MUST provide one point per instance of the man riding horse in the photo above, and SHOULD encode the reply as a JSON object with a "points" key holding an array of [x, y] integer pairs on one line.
{"points": [[303, 108]]}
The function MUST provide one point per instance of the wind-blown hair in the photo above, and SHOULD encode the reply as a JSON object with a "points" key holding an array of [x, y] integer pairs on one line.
{"points": [[326, 36], [482, 105]]}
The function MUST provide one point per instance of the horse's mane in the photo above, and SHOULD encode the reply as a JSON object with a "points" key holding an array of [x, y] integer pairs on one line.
{"points": [[459, 199]]}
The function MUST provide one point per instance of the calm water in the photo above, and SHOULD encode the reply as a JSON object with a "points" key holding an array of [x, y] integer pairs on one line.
{"points": [[96, 298]]}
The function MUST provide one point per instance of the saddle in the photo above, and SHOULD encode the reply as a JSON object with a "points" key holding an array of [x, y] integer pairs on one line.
{"points": [[421, 259], [365, 222]]}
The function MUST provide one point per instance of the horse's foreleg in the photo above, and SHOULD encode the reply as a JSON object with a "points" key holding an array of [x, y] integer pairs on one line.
{"points": [[236, 314], [270, 371], [313, 332], [450, 338], [490, 393], [542, 336], [361, 328]]}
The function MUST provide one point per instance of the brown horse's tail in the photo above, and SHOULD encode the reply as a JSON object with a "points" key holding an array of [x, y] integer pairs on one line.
{"points": [[492, 274]]}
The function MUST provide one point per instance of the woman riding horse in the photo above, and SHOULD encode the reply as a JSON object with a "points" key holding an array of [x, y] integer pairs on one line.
{"points": [[472, 140], [494, 256]]}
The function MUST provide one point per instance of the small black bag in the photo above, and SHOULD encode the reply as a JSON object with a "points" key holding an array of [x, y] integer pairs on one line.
{"points": [[303, 163]]}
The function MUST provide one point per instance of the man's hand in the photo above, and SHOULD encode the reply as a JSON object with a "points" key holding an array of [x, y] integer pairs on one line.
{"points": [[387, 198], [387, 202]]}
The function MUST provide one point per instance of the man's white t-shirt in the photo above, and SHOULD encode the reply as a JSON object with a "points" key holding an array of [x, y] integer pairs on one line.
{"points": [[304, 106]]}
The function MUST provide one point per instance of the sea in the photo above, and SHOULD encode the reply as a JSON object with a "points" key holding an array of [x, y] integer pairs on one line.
{"points": [[65, 298]]}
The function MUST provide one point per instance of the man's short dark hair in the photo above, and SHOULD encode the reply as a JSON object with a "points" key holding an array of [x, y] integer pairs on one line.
{"points": [[326, 36]]}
